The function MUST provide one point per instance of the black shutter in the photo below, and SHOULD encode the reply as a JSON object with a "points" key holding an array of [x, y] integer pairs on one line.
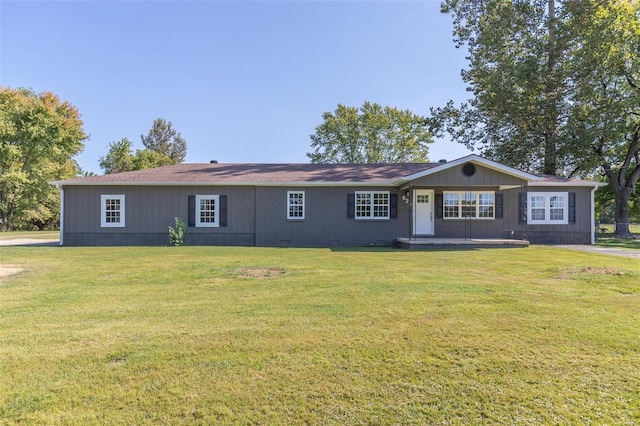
{"points": [[439, 206], [192, 211], [351, 206], [499, 209], [223, 210], [572, 207], [393, 206], [522, 207]]}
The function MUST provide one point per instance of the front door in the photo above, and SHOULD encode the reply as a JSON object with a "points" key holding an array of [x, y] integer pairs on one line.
{"points": [[423, 212]]}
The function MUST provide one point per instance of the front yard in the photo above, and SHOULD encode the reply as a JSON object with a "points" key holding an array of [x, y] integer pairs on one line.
{"points": [[201, 335]]}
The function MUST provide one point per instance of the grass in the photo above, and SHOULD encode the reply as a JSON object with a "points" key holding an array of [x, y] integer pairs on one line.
{"points": [[631, 244], [201, 335], [39, 235]]}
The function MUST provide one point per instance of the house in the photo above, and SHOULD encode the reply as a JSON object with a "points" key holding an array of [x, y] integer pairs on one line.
{"points": [[321, 205]]}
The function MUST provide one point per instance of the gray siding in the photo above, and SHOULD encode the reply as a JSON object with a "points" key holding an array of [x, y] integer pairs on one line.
{"points": [[508, 227], [325, 222], [258, 215], [149, 211], [454, 177], [572, 233]]}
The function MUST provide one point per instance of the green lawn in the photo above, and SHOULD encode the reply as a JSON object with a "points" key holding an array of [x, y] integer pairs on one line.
{"points": [[631, 244], [202, 335]]}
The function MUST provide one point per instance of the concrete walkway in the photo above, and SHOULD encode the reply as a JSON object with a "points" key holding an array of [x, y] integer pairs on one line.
{"points": [[603, 250], [30, 242]]}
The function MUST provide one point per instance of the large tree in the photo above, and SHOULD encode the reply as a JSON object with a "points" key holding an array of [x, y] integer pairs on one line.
{"points": [[164, 139], [39, 135], [541, 100], [370, 134], [121, 158]]}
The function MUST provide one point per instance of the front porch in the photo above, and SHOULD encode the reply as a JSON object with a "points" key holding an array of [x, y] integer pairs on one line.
{"points": [[458, 243]]}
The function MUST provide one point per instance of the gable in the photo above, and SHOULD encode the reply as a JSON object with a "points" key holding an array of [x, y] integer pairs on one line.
{"points": [[478, 174]]}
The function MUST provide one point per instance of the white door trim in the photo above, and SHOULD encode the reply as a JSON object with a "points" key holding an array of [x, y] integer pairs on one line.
{"points": [[423, 209]]}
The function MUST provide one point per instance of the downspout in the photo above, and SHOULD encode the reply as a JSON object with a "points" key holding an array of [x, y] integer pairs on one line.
{"points": [[593, 216], [61, 213]]}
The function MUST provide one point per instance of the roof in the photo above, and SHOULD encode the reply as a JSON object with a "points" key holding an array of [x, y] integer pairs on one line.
{"points": [[255, 174]]}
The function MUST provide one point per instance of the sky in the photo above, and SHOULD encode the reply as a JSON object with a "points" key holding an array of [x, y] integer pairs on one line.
{"points": [[242, 81]]}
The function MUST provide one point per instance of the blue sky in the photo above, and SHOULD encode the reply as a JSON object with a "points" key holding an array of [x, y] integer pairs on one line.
{"points": [[242, 81]]}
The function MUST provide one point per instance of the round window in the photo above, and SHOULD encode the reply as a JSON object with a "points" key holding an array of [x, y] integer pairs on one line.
{"points": [[469, 170]]}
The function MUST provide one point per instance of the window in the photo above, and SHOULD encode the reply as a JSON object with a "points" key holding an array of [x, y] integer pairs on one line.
{"points": [[548, 208], [295, 205], [207, 211], [112, 211], [458, 205], [372, 205]]}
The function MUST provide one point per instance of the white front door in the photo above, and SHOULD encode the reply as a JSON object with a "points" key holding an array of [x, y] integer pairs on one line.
{"points": [[423, 212]]}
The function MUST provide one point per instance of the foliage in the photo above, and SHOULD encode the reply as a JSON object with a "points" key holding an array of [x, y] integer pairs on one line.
{"points": [[39, 135], [370, 134], [121, 158], [555, 90], [150, 335], [164, 139], [177, 234]]}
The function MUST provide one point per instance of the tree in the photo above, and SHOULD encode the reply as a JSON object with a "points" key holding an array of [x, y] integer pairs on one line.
{"points": [[605, 119], [119, 159], [370, 134], [39, 135], [164, 139], [122, 159], [541, 100]]}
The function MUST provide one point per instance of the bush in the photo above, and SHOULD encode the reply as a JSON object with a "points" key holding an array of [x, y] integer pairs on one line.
{"points": [[176, 236]]}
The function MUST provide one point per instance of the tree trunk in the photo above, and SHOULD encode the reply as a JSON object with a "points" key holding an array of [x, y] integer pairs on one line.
{"points": [[622, 212], [550, 166]]}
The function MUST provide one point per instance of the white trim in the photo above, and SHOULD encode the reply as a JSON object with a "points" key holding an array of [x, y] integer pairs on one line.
{"points": [[432, 202], [216, 211], [547, 208], [61, 215], [289, 205], [477, 205], [476, 160], [391, 184], [103, 211], [372, 206], [586, 183], [593, 216]]}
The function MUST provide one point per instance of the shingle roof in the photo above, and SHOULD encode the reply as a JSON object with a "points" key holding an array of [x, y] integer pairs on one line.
{"points": [[238, 174]]}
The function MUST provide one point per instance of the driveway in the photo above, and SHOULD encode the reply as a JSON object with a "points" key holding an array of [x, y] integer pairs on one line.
{"points": [[603, 250], [30, 242]]}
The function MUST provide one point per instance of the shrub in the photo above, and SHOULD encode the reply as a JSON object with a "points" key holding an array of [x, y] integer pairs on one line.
{"points": [[176, 236]]}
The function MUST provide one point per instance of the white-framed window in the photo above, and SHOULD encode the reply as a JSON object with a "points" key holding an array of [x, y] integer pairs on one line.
{"points": [[548, 208], [463, 204], [207, 211], [295, 205], [372, 205], [112, 211]]}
